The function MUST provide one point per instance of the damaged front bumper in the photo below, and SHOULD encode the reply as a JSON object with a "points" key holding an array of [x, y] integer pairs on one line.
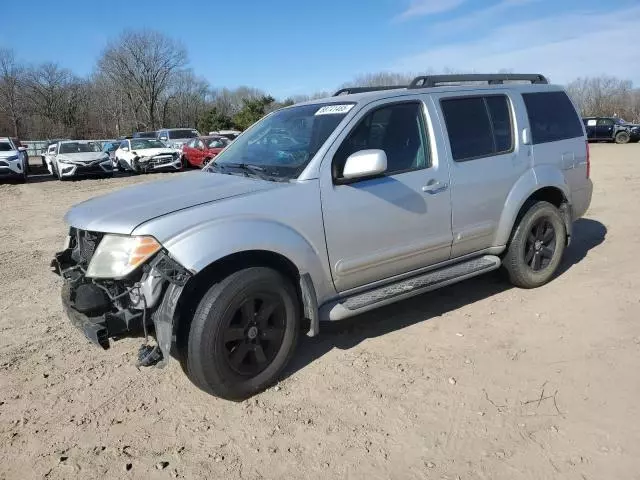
{"points": [[114, 309], [158, 162]]}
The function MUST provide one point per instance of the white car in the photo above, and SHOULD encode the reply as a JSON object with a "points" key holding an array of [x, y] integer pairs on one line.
{"points": [[145, 155], [13, 160], [72, 158]]}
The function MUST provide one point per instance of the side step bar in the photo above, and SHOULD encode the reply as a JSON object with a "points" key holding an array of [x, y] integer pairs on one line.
{"points": [[362, 302]]}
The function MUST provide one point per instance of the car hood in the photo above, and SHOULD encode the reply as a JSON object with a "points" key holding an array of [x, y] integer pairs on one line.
{"points": [[124, 210], [152, 152], [84, 157]]}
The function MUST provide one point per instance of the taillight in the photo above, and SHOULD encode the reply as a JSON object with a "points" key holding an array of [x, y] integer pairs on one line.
{"points": [[588, 161]]}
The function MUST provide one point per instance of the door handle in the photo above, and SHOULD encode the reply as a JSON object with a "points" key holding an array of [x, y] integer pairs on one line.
{"points": [[434, 187]]}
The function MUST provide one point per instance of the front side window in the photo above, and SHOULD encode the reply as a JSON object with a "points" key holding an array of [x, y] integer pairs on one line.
{"points": [[282, 144], [552, 117], [397, 129], [478, 126], [124, 144]]}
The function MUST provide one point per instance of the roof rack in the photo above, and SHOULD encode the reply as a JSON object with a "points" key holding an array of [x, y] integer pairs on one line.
{"points": [[348, 90], [427, 81]]}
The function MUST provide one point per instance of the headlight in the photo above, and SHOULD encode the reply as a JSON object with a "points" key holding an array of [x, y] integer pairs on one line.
{"points": [[63, 160], [119, 255], [12, 158]]}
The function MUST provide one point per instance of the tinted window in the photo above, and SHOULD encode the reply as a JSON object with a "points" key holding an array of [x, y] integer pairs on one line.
{"points": [[605, 121], [501, 122], [5, 147], [124, 144], [469, 126], [182, 134], [551, 117], [396, 129]]}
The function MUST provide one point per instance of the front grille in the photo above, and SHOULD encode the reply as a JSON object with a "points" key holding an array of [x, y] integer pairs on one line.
{"points": [[84, 244]]}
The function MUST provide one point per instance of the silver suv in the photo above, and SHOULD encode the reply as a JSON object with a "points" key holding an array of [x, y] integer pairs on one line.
{"points": [[325, 210]]}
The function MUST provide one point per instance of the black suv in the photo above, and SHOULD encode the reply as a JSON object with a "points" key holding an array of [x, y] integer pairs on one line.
{"points": [[612, 129]]}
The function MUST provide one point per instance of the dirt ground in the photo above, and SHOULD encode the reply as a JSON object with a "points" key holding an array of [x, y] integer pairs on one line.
{"points": [[475, 381]]}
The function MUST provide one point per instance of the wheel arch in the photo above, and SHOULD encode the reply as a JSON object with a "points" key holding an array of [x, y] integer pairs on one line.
{"points": [[544, 183], [231, 263]]}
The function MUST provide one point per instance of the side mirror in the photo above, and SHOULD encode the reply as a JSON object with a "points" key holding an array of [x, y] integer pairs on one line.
{"points": [[164, 139], [124, 149], [365, 163]]}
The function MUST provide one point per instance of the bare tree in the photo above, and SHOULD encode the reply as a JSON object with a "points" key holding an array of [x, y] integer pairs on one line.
{"points": [[12, 81], [144, 64], [602, 96], [186, 101]]}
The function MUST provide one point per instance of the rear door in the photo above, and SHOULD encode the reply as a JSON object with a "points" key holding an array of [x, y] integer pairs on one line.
{"points": [[557, 136], [590, 127], [486, 162]]}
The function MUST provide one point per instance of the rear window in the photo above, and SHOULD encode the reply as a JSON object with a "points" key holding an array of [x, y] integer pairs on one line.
{"points": [[551, 117], [478, 126]]}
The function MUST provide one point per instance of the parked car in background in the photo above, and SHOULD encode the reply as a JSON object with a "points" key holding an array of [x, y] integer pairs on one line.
{"points": [[388, 193], [142, 155], [109, 147], [74, 158], [611, 129], [199, 151], [176, 137], [22, 148], [145, 134], [13, 160], [230, 134], [46, 149]]}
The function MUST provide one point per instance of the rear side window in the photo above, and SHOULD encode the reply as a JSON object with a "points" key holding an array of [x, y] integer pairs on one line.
{"points": [[551, 117], [478, 126]]}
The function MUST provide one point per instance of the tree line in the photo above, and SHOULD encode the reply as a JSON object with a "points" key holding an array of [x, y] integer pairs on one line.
{"points": [[142, 82]]}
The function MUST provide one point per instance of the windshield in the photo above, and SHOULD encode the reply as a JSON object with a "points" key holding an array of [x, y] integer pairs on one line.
{"points": [[5, 147], [142, 143], [183, 134], [283, 143], [620, 121], [217, 142], [79, 147]]}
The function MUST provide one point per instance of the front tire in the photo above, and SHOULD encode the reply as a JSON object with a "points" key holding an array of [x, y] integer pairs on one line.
{"points": [[622, 138], [243, 333], [537, 246]]}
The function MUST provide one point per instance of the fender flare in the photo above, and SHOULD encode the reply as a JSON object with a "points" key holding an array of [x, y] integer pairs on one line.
{"points": [[532, 180], [204, 244]]}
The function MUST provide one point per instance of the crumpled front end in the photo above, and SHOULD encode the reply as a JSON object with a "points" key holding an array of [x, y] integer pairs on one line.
{"points": [[133, 306], [163, 161]]}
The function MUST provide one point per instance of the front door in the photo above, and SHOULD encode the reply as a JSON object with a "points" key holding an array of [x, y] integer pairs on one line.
{"points": [[604, 129], [401, 221]]}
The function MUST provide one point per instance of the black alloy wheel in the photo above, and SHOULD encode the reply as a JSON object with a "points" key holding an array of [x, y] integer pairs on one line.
{"points": [[541, 245], [253, 333]]}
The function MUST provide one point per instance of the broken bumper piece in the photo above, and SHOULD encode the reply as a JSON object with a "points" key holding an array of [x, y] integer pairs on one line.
{"points": [[117, 309]]}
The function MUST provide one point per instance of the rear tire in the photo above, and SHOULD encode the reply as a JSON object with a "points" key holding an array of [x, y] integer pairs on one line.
{"points": [[243, 333], [622, 138], [536, 247]]}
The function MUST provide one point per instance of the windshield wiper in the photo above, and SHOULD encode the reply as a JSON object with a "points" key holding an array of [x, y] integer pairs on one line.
{"points": [[249, 169]]}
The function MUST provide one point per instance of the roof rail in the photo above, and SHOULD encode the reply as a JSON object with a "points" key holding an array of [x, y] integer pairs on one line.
{"points": [[348, 90], [427, 81]]}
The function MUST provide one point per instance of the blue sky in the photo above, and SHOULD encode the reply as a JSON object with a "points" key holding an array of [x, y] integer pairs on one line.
{"points": [[289, 47]]}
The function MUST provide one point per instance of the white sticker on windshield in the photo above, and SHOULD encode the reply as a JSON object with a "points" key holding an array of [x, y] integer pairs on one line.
{"points": [[335, 109]]}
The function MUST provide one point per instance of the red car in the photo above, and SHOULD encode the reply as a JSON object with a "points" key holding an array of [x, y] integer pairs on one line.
{"points": [[198, 152]]}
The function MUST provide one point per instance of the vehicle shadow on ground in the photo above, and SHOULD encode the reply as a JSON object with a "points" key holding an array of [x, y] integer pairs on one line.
{"points": [[350, 332]]}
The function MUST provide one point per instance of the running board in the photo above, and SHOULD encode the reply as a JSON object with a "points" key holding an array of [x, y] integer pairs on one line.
{"points": [[362, 302]]}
